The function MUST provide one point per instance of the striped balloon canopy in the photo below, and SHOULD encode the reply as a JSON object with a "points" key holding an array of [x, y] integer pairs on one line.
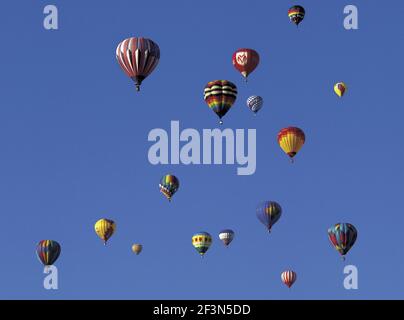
{"points": [[288, 277], [105, 228], [291, 140], [201, 242], [268, 213], [48, 251], [138, 57], [343, 237], [296, 14], [220, 96], [169, 185], [226, 236]]}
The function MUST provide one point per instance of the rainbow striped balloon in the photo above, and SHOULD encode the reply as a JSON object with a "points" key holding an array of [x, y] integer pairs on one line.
{"points": [[220, 95]]}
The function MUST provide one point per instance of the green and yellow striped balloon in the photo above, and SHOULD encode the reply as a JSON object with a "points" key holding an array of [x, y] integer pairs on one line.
{"points": [[201, 241]]}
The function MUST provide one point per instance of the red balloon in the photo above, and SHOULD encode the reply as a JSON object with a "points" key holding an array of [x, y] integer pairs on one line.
{"points": [[245, 61]]}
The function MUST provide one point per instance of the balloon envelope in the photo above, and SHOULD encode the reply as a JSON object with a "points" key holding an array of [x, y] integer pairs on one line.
{"points": [[255, 103], [288, 277], [339, 89], [220, 95], [48, 251], [245, 61], [268, 212], [105, 228], [291, 140], [201, 242], [226, 236], [138, 57], [169, 185], [296, 14], [343, 237], [137, 248]]}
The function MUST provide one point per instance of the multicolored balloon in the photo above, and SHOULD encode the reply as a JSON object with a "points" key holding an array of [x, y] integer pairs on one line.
{"points": [[343, 237], [245, 61], [201, 241], [340, 89], [138, 57], [255, 103], [291, 140], [296, 14], [137, 248], [269, 212], [288, 277], [105, 228], [48, 251], [220, 95], [226, 236], [169, 185]]}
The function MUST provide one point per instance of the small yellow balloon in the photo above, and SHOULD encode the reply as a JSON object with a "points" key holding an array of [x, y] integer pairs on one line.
{"points": [[137, 248], [105, 228], [340, 88]]}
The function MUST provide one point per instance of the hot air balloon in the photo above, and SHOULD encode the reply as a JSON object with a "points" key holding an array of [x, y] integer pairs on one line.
{"points": [[169, 185], [269, 212], [296, 14], [201, 241], [138, 57], [220, 96], [137, 248], [342, 237], [340, 89], [291, 140], [105, 228], [288, 277], [245, 61], [48, 251], [255, 103], [226, 236]]}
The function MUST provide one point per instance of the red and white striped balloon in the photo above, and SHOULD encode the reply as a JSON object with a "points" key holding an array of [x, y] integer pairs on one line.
{"points": [[289, 277], [138, 57]]}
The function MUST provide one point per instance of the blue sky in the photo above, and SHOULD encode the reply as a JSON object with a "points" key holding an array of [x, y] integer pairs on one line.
{"points": [[73, 145]]}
